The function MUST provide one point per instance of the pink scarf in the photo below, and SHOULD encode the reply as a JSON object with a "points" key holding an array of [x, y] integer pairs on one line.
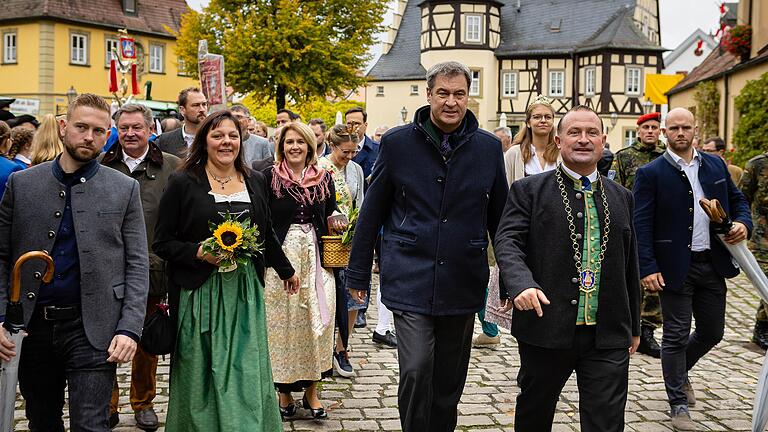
{"points": [[310, 189]]}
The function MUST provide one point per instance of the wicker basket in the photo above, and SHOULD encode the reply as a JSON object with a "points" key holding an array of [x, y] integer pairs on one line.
{"points": [[335, 254]]}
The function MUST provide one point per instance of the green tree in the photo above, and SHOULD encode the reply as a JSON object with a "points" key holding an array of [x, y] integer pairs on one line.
{"points": [[283, 49], [750, 138], [707, 100], [314, 107]]}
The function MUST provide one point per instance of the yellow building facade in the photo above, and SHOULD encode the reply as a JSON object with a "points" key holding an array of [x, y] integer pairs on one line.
{"points": [[44, 58]]}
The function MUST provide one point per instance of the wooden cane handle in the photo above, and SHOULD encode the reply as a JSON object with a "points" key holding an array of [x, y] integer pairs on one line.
{"points": [[16, 277]]}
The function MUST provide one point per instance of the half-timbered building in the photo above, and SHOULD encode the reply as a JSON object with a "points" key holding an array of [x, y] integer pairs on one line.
{"points": [[592, 52]]}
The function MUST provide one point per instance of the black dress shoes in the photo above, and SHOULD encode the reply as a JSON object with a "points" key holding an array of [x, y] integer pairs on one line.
{"points": [[146, 419], [317, 413], [760, 335], [389, 339], [648, 344]]}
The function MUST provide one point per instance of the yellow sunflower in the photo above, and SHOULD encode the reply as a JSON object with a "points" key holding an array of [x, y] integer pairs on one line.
{"points": [[229, 236]]}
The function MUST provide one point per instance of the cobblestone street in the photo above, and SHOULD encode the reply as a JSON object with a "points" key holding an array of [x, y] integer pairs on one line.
{"points": [[724, 382]]}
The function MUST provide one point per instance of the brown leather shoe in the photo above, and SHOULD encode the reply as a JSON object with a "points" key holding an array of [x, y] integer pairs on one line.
{"points": [[146, 419], [681, 419], [689, 394]]}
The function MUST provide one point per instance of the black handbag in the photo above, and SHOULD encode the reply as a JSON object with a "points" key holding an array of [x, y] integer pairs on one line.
{"points": [[159, 335]]}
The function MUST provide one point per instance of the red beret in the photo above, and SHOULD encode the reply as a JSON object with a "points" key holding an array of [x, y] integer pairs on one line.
{"points": [[650, 116]]}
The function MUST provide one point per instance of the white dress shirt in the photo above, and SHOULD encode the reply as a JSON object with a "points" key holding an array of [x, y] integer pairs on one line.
{"points": [[533, 167], [576, 176], [700, 240], [361, 144], [131, 162], [188, 138]]}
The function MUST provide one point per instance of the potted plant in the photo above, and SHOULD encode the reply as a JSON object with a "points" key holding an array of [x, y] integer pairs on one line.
{"points": [[738, 41]]}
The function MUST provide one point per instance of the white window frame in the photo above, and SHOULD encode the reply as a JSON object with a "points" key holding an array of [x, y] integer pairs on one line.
{"points": [[414, 89], [379, 90], [156, 62], [630, 135], [78, 52], [473, 33], [509, 84], [633, 82], [475, 84], [10, 47], [130, 9], [590, 74], [108, 52], [553, 87]]}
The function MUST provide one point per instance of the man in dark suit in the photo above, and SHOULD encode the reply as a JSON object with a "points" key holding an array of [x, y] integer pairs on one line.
{"points": [[566, 250], [193, 106], [434, 268], [90, 316], [681, 256], [367, 149]]}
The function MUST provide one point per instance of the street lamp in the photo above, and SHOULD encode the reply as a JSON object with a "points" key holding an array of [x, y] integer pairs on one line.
{"points": [[404, 114], [71, 94], [614, 120], [647, 106]]}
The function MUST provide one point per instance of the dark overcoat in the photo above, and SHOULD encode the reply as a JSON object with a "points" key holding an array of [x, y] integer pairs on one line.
{"points": [[436, 215]]}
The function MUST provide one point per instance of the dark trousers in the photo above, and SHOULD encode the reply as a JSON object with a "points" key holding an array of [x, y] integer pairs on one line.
{"points": [[143, 373], [433, 352], [601, 376], [55, 355], [702, 296], [342, 314]]}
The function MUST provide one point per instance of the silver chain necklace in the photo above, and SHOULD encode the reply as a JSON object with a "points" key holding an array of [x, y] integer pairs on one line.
{"points": [[220, 180], [587, 276]]}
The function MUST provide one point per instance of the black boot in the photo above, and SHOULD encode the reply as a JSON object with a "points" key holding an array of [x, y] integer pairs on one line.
{"points": [[648, 344], [760, 335]]}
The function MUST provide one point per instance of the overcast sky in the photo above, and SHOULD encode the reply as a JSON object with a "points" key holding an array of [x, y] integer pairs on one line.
{"points": [[679, 18]]}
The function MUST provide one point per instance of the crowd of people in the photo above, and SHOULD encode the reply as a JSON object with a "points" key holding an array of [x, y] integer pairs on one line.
{"points": [[457, 220]]}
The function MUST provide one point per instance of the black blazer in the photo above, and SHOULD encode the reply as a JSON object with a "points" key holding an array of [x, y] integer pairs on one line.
{"points": [[283, 209], [186, 207], [173, 142], [534, 250]]}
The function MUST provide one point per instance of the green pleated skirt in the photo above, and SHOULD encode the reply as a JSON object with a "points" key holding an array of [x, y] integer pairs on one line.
{"points": [[221, 379]]}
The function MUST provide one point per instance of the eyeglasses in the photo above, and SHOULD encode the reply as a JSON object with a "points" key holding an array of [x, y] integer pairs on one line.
{"points": [[539, 117]]}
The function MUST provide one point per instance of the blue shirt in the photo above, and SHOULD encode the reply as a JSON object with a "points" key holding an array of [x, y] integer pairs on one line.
{"points": [[6, 168], [64, 289]]}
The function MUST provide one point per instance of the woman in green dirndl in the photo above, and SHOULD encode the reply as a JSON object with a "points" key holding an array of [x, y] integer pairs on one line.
{"points": [[215, 232]]}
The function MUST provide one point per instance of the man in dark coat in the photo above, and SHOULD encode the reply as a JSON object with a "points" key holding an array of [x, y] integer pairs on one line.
{"points": [[681, 256], [367, 149], [438, 190], [193, 106], [567, 251], [137, 157]]}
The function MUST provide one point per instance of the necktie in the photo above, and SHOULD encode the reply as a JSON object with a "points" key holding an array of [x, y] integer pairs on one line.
{"points": [[445, 146], [585, 183]]}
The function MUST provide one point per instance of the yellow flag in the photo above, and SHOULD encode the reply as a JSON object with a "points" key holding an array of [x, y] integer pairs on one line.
{"points": [[657, 85]]}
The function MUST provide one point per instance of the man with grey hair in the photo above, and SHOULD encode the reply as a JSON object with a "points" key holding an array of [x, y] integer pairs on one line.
{"points": [[436, 222], [505, 135], [254, 147], [136, 157]]}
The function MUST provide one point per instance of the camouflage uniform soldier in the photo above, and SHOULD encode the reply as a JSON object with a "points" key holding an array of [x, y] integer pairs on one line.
{"points": [[625, 164], [754, 186]]}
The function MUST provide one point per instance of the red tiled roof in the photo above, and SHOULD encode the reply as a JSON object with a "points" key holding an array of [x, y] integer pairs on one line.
{"points": [[718, 61], [152, 16]]}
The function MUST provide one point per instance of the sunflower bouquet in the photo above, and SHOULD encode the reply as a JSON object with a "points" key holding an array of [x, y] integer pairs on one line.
{"points": [[233, 241]]}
